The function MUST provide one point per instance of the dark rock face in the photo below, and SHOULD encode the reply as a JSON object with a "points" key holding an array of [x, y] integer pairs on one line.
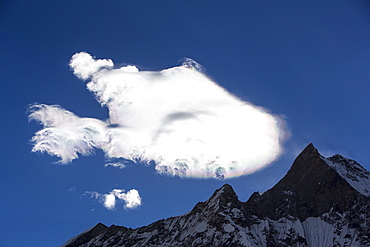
{"points": [[319, 202], [309, 189]]}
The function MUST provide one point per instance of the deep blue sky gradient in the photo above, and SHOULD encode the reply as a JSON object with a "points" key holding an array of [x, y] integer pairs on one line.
{"points": [[306, 60]]}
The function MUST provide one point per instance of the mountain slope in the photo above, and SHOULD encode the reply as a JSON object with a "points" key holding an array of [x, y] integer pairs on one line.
{"points": [[309, 189], [319, 202]]}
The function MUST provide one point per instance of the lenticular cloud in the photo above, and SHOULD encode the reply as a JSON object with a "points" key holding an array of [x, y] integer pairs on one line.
{"points": [[178, 118]]}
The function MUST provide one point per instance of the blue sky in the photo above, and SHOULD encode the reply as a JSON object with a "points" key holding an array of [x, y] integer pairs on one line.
{"points": [[308, 61]]}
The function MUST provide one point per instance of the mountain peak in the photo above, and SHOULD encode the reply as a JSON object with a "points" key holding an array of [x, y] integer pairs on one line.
{"points": [[222, 198], [225, 191], [88, 234], [311, 187], [309, 148], [309, 151]]}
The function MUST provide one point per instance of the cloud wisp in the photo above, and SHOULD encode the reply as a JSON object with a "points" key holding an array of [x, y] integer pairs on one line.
{"points": [[116, 165], [178, 118], [131, 198]]}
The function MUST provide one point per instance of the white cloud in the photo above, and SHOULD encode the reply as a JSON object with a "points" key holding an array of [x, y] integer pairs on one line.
{"points": [[131, 198], [65, 135], [109, 201], [93, 194], [84, 65], [178, 118], [116, 165]]}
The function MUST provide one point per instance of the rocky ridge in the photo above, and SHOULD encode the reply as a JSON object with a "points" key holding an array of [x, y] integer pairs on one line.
{"points": [[319, 202]]}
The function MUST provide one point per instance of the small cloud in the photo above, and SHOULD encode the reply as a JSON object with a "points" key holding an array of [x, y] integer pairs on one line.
{"points": [[93, 194], [109, 201], [116, 165], [72, 189], [131, 198]]}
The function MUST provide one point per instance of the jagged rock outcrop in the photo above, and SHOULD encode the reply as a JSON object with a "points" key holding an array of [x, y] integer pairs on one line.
{"points": [[319, 202]]}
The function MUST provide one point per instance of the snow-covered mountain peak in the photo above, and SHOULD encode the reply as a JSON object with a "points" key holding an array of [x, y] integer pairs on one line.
{"points": [[355, 174], [223, 197], [225, 191]]}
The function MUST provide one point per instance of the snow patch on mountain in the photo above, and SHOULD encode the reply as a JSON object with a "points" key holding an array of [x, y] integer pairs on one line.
{"points": [[356, 175], [318, 232], [229, 228]]}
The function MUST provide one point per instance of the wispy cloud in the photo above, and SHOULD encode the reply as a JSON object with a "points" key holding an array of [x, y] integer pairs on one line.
{"points": [[117, 165], [65, 135], [130, 198], [178, 118]]}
